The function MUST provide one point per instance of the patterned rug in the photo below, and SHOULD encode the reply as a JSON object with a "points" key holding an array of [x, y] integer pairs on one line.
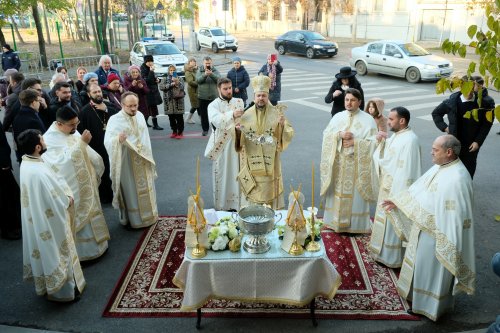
{"points": [[145, 289]]}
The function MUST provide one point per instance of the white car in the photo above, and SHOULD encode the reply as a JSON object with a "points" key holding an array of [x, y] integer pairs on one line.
{"points": [[215, 38], [158, 31], [399, 58], [164, 54]]}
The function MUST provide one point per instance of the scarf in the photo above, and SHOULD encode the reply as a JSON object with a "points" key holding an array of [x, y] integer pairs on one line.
{"points": [[272, 69]]}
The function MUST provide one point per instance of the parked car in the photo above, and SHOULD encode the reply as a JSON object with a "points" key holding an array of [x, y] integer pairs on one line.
{"points": [[120, 17], [149, 18], [399, 58], [158, 31], [308, 43], [164, 54], [215, 38]]}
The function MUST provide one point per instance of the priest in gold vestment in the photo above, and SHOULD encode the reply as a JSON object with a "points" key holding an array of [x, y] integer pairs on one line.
{"points": [[49, 253], [69, 155], [133, 169], [439, 260], [346, 156], [262, 134]]}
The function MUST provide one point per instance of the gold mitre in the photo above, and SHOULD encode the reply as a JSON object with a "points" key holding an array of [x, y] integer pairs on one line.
{"points": [[261, 83]]}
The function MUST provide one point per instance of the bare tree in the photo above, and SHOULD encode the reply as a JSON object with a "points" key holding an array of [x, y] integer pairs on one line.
{"points": [[14, 24]]}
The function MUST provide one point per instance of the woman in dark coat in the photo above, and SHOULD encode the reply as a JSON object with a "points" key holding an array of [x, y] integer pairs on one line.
{"points": [[346, 78], [154, 96], [273, 69], [135, 83], [240, 80]]}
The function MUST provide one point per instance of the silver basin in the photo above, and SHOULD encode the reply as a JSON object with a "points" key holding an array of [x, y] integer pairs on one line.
{"points": [[256, 222]]}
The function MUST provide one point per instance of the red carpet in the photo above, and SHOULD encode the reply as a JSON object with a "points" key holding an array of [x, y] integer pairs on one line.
{"points": [[145, 288]]}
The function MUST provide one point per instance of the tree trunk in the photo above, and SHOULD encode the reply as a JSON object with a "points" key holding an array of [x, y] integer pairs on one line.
{"points": [[77, 25], [93, 20], [2, 37], [19, 37], [104, 20], [47, 31], [85, 26], [39, 32]]}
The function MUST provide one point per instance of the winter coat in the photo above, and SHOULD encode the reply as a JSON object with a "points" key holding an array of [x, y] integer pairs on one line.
{"points": [[27, 118], [10, 59], [172, 105], [241, 80], [207, 85], [338, 102], [113, 96], [12, 105], [154, 96], [102, 76], [274, 94], [141, 92], [192, 86]]}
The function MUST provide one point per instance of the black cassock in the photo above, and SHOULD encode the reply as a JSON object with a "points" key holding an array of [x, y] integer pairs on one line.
{"points": [[96, 121]]}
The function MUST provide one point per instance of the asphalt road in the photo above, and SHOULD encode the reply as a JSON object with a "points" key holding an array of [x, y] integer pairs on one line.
{"points": [[304, 84]]}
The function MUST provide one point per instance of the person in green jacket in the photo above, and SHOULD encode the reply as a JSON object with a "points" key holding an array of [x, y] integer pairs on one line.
{"points": [[206, 77]]}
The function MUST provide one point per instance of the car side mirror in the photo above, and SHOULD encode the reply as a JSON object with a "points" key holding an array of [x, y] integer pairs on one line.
{"points": [[398, 55]]}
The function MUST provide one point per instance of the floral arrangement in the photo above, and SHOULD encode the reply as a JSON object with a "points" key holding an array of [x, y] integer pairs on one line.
{"points": [[318, 224], [223, 231]]}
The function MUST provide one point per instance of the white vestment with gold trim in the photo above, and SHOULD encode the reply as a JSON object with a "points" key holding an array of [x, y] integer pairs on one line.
{"points": [[49, 253], [346, 172], [400, 167], [220, 149], [82, 168], [133, 169], [439, 259]]}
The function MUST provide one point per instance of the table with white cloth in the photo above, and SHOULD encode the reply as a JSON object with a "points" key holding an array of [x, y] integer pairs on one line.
{"points": [[271, 277]]}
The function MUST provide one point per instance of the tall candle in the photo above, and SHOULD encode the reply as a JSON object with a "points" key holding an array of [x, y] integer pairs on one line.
{"points": [[198, 173], [312, 195]]}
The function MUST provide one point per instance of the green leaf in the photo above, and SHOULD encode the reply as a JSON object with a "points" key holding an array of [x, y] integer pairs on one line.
{"points": [[462, 51], [489, 116], [497, 217], [473, 44], [456, 82], [475, 114], [472, 30], [440, 86], [467, 115], [472, 68], [497, 112], [467, 87], [482, 69], [491, 23]]}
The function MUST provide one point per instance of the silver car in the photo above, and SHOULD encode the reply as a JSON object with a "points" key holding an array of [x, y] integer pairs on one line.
{"points": [[399, 58]]}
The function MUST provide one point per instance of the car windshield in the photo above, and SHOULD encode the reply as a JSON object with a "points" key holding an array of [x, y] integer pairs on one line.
{"points": [[162, 49], [413, 50], [313, 36], [218, 32], [157, 27]]}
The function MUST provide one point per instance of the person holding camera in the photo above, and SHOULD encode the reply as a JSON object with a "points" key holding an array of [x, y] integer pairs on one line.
{"points": [[206, 77], [173, 96], [273, 69], [133, 82], [154, 96]]}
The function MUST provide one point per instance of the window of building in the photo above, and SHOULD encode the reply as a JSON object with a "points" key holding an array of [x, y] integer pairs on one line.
{"points": [[379, 6]]}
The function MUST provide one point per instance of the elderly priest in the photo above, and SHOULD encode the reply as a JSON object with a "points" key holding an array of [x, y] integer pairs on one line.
{"points": [[133, 168]]}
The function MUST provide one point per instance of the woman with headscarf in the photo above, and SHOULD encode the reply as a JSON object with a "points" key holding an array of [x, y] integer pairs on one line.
{"points": [[345, 79], [154, 96], [114, 90], [172, 89], [273, 69], [190, 75], [240, 80], [135, 83], [80, 73]]}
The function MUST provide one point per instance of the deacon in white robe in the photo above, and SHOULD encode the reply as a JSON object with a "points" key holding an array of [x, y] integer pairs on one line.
{"points": [[133, 169], [346, 157], [69, 155], [400, 167], [223, 114], [439, 260], [49, 253]]}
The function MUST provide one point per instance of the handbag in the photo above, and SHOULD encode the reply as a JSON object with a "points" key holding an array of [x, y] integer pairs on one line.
{"points": [[178, 93]]}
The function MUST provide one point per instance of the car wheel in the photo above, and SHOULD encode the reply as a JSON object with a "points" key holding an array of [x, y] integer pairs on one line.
{"points": [[281, 49], [215, 48], [413, 75], [235, 49], [198, 46], [310, 53], [361, 68]]}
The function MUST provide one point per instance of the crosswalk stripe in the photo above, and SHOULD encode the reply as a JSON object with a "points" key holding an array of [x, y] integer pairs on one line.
{"points": [[390, 93], [393, 88], [311, 105], [427, 117], [321, 83], [412, 98], [421, 106]]}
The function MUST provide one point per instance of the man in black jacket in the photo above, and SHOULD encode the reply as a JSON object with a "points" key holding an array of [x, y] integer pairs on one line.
{"points": [[467, 130], [28, 117], [12, 101], [10, 204], [94, 117], [10, 59], [43, 111], [62, 96]]}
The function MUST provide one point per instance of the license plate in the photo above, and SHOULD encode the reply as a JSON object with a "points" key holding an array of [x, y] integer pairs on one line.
{"points": [[331, 50]]}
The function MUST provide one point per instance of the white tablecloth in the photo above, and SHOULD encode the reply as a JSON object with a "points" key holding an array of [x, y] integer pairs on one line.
{"points": [[273, 277]]}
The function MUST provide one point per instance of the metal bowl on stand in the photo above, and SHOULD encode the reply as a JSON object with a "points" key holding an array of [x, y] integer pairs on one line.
{"points": [[256, 222]]}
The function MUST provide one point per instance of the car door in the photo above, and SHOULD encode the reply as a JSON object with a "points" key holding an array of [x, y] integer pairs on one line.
{"points": [[202, 37], [392, 60], [373, 57], [136, 57]]}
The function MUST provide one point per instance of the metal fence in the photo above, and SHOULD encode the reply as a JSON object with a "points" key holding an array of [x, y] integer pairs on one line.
{"points": [[31, 63], [91, 63]]}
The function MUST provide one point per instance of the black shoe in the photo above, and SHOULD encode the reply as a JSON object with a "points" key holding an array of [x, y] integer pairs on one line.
{"points": [[498, 133], [204, 133], [155, 124], [158, 128], [147, 124], [12, 234]]}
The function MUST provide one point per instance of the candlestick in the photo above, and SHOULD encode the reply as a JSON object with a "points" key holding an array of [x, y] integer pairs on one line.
{"points": [[197, 172], [312, 194], [312, 246]]}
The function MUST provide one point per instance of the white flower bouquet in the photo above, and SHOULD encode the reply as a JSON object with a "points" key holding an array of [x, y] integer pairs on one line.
{"points": [[223, 231], [318, 224]]}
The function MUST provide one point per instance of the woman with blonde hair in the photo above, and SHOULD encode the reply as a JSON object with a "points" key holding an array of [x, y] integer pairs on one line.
{"points": [[190, 69], [173, 97]]}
